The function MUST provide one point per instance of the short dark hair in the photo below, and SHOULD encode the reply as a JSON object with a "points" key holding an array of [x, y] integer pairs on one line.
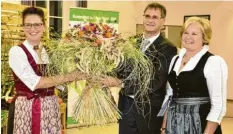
{"points": [[157, 6], [33, 11]]}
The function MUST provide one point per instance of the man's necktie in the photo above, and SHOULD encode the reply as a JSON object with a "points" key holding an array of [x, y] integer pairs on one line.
{"points": [[144, 45]]}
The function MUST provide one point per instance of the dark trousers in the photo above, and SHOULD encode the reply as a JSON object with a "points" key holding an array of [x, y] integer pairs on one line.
{"points": [[10, 125], [134, 122]]}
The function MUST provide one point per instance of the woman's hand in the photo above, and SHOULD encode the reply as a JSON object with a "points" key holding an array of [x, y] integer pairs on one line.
{"points": [[162, 132], [210, 127], [77, 75]]}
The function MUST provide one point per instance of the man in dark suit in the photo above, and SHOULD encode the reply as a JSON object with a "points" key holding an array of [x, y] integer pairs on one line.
{"points": [[160, 51]]}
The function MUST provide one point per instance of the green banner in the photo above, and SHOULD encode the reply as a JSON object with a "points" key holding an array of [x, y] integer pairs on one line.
{"points": [[87, 15]]}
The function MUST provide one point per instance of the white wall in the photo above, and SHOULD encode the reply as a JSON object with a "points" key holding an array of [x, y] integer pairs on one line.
{"points": [[66, 13]]}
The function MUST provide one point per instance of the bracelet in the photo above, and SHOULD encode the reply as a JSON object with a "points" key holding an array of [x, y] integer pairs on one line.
{"points": [[162, 129]]}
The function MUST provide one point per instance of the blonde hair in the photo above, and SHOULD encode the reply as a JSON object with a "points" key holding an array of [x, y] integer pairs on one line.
{"points": [[204, 25]]}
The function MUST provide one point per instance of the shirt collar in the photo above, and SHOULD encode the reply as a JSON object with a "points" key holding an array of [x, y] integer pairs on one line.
{"points": [[152, 39], [28, 45], [204, 49], [193, 60]]}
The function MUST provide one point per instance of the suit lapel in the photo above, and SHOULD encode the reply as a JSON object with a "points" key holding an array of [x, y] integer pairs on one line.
{"points": [[158, 41]]}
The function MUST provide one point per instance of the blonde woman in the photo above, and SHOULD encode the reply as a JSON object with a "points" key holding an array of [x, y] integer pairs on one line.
{"points": [[197, 84]]}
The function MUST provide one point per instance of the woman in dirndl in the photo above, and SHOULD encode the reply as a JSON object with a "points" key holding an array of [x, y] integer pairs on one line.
{"points": [[196, 93], [36, 106]]}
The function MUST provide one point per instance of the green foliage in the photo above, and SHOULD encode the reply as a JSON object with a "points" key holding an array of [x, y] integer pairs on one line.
{"points": [[6, 74], [4, 118]]}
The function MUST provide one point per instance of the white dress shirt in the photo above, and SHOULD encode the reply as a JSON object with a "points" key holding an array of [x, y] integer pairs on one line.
{"points": [[20, 65], [151, 39], [215, 72]]}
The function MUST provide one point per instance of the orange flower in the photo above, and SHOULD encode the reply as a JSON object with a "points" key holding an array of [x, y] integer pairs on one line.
{"points": [[108, 35], [81, 33]]}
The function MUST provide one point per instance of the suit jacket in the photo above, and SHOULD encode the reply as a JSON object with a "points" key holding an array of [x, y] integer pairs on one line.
{"points": [[160, 52]]}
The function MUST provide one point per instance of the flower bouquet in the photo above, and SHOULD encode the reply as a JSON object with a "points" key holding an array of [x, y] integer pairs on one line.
{"points": [[97, 50]]}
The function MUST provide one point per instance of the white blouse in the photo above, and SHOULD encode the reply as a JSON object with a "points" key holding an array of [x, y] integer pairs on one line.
{"points": [[21, 67], [216, 74]]}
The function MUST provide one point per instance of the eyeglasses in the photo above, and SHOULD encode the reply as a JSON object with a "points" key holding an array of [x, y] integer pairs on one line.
{"points": [[147, 17], [35, 25]]}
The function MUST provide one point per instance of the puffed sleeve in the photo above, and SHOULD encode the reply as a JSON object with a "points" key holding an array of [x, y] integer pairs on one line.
{"points": [[21, 67], [169, 91], [216, 73]]}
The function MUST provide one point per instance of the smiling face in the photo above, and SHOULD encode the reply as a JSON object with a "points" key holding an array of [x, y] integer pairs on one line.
{"points": [[33, 28], [152, 21], [192, 37]]}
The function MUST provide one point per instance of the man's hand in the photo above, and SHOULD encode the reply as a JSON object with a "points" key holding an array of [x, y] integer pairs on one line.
{"points": [[109, 81]]}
